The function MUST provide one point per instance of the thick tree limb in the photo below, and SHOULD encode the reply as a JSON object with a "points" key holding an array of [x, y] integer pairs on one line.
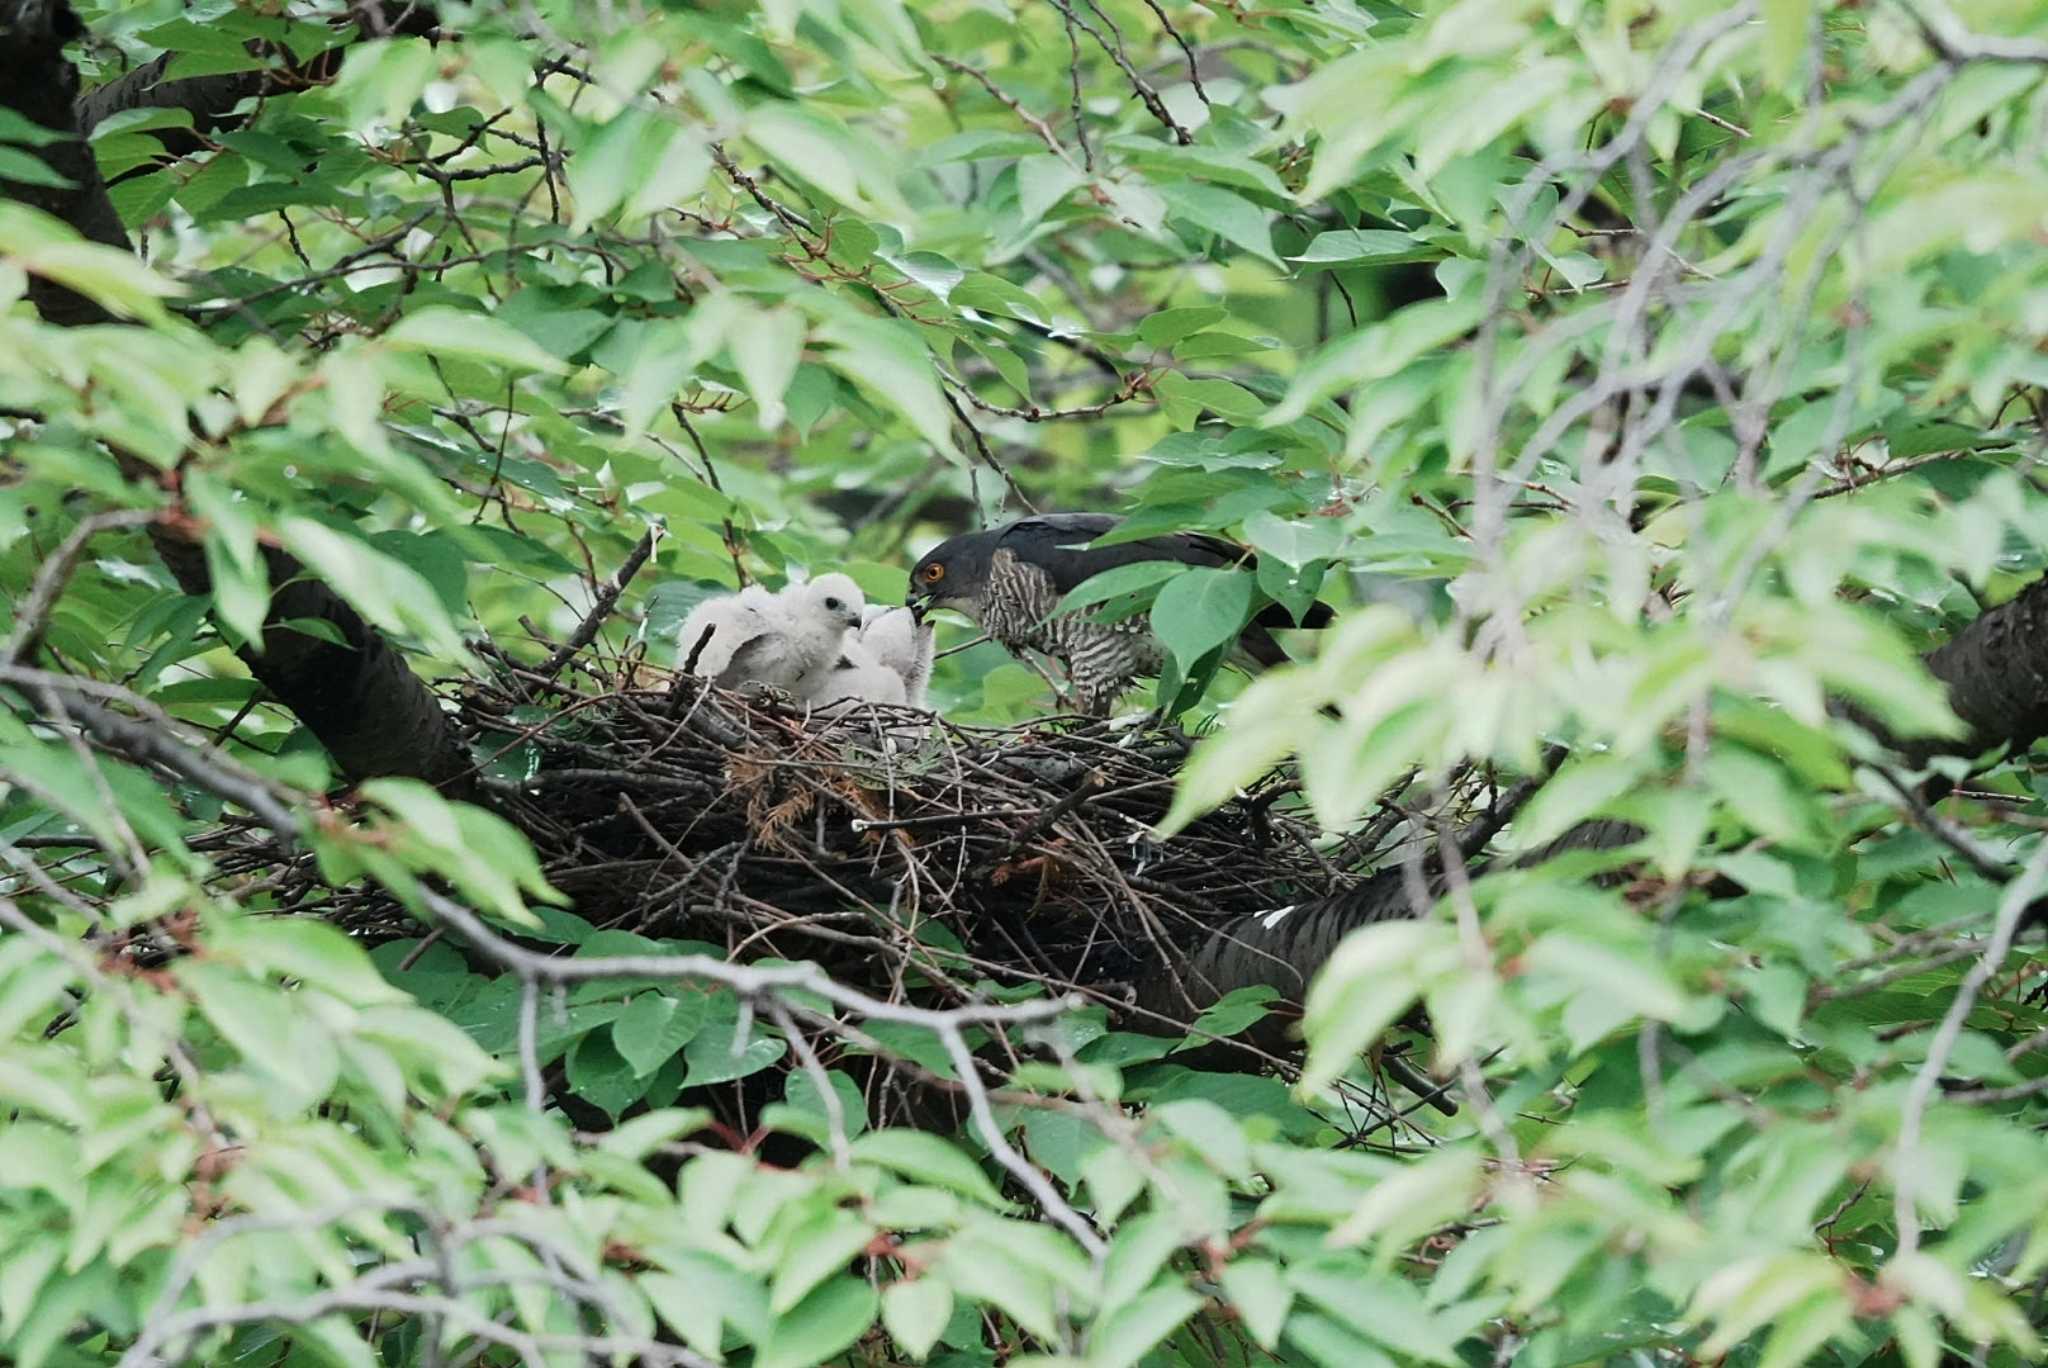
{"points": [[374, 715], [212, 100], [39, 83]]}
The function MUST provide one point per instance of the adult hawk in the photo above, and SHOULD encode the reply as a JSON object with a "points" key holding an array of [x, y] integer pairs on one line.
{"points": [[1009, 578]]}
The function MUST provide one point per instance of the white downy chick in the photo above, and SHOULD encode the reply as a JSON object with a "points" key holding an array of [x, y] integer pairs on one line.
{"points": [[887, 660], [857, 677], [782, 641], [822, 613], [901, 643], [711, 638]]}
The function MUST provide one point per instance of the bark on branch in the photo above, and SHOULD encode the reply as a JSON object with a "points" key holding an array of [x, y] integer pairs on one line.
{"points": [[374, 715]]}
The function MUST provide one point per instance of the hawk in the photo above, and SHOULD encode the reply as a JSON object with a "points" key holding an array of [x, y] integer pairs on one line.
{"points": [[1009, 578]]}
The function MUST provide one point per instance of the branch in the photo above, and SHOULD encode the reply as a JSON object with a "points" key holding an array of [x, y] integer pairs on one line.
{"points": [[55, 572], [157, 743], [374, 716], [1010, 102], [1953, 43], [607, 596], [2018, 895]]}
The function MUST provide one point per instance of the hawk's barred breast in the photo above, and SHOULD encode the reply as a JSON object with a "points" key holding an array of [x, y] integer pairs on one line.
{"points": [[1102, 658]]}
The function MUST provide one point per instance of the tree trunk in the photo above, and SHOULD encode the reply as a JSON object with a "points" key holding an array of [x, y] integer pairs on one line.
{"points": [[374, 715]]}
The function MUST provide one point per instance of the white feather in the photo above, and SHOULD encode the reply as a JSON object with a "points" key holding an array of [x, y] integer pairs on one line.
{"points": [[857, 677], [886, 660], [786, 640], [902, 644], [714, 633]]}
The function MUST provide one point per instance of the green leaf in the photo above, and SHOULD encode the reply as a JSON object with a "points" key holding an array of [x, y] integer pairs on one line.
{"points": [[1364, 247], [821, 151], [391, 594], [1375, 974], [1785, 28], [1210, 1132], [1043, 182], [1577, 791], [1231, 217], [601, 1077], [817, 1249], [17, 128], [689, 1306], [29, 169], [993, 294], [1260, 1296], [712, 1059], [1635, 984], [986, 1272], [1377, 352], [893, 368], [305, 950], [801, 1092], [1233, 1012], [444, 331], [1114, 1181], [654, 1026], [1200, 610], [334, 1338], [930, 1159], [1168, 326], [1116, 582], [641, 160], [914, 1311], [766, 351], [1134, 1329], [381, 78], [635, 1139], [291, 1051], [826, 1322], [1294, 543]]}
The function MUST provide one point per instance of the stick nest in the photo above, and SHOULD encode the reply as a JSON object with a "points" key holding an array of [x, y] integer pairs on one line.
{"points": [[884, 842]]}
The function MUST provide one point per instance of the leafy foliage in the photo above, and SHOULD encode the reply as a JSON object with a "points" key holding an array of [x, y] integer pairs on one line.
{"points": [[1649, 388]]}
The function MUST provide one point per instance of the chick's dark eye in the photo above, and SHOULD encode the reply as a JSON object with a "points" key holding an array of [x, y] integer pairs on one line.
{"points": [[832, 604]]}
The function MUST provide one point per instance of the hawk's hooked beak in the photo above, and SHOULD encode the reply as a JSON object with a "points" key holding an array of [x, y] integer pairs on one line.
{"points": [[919, 602]]}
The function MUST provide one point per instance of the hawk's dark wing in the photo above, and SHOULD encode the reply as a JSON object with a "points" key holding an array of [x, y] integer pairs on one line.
{"points": [[1057, 543]]}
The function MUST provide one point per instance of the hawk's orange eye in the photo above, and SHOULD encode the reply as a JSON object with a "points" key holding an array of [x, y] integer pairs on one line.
{"points": [[932, 574]]}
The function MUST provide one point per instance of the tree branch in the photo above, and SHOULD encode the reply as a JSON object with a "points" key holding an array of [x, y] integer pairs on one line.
{"points": [[366, 706]]}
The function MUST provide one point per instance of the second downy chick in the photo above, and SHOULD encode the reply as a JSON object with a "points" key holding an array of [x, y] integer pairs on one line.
{"points": [[888, 659]]}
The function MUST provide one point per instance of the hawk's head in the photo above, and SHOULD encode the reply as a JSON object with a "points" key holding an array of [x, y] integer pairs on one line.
{"points": [[953, 574]]}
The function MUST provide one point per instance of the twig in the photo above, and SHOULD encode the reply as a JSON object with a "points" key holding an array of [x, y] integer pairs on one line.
{"points": [[1010, 102], [33, 615], [157, 743], [1905, 1159], [607, 596]]}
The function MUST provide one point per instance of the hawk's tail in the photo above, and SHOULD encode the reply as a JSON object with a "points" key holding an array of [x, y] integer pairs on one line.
{"points": [[1258, 641]]}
